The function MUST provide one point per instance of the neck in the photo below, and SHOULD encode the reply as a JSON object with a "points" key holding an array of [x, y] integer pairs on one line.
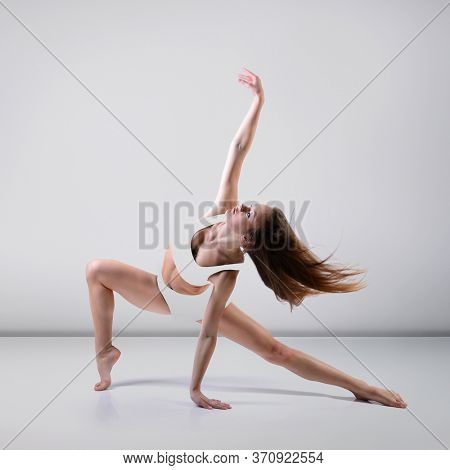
{"points": [[226, 242]]}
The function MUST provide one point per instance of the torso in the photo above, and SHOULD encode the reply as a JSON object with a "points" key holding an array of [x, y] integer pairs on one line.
{"points": [[172, 276], [173, 279]]}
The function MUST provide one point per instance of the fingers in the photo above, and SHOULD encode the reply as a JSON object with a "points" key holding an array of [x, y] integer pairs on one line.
{"points": [[244, 83], [212, 403], [220, 404], [250, 80], [244, 79], [251, 73]]}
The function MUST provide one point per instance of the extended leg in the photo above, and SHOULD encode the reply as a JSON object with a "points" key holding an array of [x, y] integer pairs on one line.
{"points": [[244, 330]]}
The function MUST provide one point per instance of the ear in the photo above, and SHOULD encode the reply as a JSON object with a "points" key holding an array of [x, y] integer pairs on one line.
{"points": [[248, 240]]}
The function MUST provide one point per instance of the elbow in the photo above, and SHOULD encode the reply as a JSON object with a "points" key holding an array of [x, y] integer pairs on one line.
{"points": [[209, 335], [238, 145]]}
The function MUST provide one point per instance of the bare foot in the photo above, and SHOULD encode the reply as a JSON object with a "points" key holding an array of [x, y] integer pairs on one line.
{"points": [[105, 362], [381, 395]]}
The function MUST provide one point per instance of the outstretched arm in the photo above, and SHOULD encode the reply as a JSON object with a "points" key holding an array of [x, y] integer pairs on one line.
{"points": [[245, 133], [224, 283], [227, 195]]}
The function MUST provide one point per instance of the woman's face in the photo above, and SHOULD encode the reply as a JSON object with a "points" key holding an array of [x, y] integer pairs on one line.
{"points": [[243, 218]]}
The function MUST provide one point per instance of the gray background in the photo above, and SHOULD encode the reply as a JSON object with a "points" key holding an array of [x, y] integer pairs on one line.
{"points": [[377, 177]]}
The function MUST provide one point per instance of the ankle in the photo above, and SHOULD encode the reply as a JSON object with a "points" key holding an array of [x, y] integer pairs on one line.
{"points": [[105, 350], [359, 386]]}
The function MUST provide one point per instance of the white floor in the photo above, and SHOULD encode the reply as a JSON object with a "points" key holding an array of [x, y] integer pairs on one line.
{"points": [[48, 401]]}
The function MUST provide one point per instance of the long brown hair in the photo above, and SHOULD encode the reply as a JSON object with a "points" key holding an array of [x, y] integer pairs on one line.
{"points": [[290, 269]]}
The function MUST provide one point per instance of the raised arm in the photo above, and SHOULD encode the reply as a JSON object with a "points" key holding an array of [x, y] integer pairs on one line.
{"points": [[227, 195], [245, 133], [224, 283]]}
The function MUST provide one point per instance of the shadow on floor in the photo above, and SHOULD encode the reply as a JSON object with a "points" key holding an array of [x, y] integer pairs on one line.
{"points": [[184, 382]]}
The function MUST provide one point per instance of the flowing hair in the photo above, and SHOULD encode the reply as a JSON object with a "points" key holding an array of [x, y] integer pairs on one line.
{"points": [[290, 269]]}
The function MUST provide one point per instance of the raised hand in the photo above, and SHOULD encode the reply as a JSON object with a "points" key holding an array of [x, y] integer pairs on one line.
{"points": [[209, 403], [252, 81]]}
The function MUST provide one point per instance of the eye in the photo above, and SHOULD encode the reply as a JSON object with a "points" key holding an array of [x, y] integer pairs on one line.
{"points": [[248, 214]]}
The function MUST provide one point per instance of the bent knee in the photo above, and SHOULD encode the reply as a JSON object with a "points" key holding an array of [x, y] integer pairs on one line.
{"points": [[94, 269], [278, 353]]}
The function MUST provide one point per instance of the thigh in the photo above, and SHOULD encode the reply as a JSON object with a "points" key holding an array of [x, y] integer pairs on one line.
{"points": [[244, 330], [135, 285]]}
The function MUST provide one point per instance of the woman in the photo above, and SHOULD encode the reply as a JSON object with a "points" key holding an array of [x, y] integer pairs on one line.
{"points": [[259, 232]]}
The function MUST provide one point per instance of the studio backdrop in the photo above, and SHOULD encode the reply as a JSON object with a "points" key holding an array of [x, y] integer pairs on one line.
{"points": [[109, 110]]}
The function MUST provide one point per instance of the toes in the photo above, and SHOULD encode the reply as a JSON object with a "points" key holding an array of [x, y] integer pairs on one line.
{"points": [[396, 397], [399, 399], [99, 386]]}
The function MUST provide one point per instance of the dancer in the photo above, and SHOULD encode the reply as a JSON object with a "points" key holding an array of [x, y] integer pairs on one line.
{"points": [[207, 269]]}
